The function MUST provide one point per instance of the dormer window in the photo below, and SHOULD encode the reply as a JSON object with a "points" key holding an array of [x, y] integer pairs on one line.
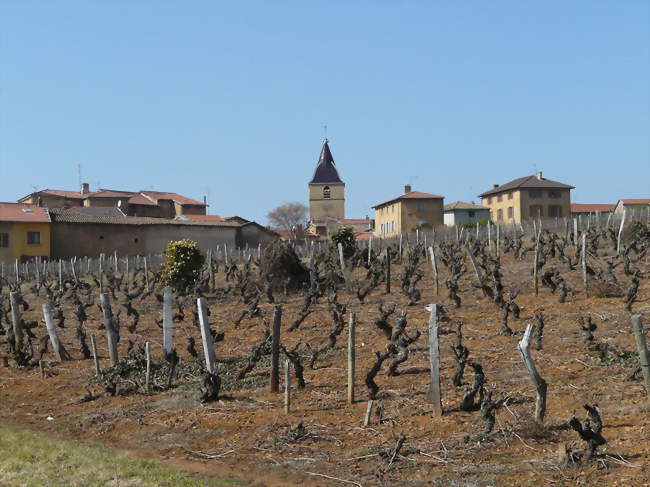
{"points": [[327, 193]]}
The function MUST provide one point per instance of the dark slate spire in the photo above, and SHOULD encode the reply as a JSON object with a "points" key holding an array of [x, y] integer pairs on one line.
{"points": [[326, 172]]}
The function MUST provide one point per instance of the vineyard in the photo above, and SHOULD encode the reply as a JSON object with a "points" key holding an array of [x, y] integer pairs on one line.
{"points": [[498, 355]]}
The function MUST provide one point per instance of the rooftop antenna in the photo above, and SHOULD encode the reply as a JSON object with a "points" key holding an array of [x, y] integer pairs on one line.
{"points": [[79, 175]]}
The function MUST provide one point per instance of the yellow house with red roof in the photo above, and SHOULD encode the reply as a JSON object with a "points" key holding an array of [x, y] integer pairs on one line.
{"points": [[408, 212], [24, 232]]}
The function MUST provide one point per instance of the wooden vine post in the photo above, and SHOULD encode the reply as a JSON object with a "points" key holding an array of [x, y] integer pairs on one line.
{"points": [[287, 387], [535, 261], [16, 320], [206, 336], [147, 379], [351, 357], [620, 233], [644, 357], [538, 382], [387, 270], [168, 322], [584, 263], [434, 267], [343, 269], [275, 349], [434, 357], [111, 337], [93, 344], [51, 331]]}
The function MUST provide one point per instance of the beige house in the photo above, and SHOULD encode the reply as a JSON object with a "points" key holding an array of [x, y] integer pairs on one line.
{"points": [[408, 212], [528, 198]]}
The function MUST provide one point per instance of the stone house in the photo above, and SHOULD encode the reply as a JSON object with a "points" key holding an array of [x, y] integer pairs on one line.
{"points": [[24, 232], [460, 212], [408, 212], [91, 231], [528, 198]]}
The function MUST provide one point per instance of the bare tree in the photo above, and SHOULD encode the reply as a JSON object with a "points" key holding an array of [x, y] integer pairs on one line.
{"points": [[290, 217]]}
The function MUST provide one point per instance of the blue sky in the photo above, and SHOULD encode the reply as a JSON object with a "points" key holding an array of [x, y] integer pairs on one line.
{"points": [[230, 98]]}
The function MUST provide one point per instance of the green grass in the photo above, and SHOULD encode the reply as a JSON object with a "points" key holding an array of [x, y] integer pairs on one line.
{"points": [[31, 460]]}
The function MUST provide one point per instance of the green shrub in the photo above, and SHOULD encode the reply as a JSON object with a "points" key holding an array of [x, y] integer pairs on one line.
{"points": [[182, 265], [345, 237], [481, 223]]}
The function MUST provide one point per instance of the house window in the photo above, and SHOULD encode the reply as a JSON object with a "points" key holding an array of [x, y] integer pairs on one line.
{"points": [[499, 214], [555, 210], [4, 240], [554, 194], [499, 198], [536, 210], [327, 194], [511, 212], [34, 238], [489, 200], [535, 193], [510, 195], [471, 213], [421, 206]]}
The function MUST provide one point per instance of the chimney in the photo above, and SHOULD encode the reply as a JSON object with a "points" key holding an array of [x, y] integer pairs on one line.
{"points": [[85, 188], [495, 186], [538, 174], [407, 189]]}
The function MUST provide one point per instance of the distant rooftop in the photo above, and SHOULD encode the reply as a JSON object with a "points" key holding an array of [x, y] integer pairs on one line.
{"points": [[533, 181], [412, 195]]}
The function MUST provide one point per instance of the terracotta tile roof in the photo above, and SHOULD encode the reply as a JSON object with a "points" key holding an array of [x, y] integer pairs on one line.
{"points": [[638, 201], [62, 193], [138, 199], [526, 182], [326, 172], [110, 193], [177, 198], [201, 218], [461, 205], [363, 235], [412, 195], [591, 208], [22, 212], [73, 215]]}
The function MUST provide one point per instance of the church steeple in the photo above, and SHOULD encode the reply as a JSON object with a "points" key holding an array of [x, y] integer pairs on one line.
{"points": [[326, 189], [326, 171]]}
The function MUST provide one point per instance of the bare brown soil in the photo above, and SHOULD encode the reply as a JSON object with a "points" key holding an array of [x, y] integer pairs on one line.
{"points": [[250, 433]]}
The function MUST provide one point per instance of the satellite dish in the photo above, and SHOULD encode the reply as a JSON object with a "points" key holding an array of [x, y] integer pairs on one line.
{"points": [[119, 203]]}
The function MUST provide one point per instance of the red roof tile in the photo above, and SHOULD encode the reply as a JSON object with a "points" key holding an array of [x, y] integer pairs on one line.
{"points": [[591, 208], [413, 195], [526, 182], [638, 201], [110, 193], [62, 193], [204, 218], [21, 212], [178, 198], [138, 199]]}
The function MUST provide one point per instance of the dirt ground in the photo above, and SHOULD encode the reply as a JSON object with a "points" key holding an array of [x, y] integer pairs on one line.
{"points": [[251, 439]]}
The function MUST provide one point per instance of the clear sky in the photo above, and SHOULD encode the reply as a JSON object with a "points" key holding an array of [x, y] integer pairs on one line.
{"points": [[230, 98]]}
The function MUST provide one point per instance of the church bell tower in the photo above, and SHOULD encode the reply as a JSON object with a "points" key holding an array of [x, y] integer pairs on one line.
{"points": [[326, 189]]}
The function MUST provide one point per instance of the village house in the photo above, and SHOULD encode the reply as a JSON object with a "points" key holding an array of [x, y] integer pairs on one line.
{"points": [[155, 204], [528, 198], [24, 232], [408, 212], [638, 205], [459, 213]]}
